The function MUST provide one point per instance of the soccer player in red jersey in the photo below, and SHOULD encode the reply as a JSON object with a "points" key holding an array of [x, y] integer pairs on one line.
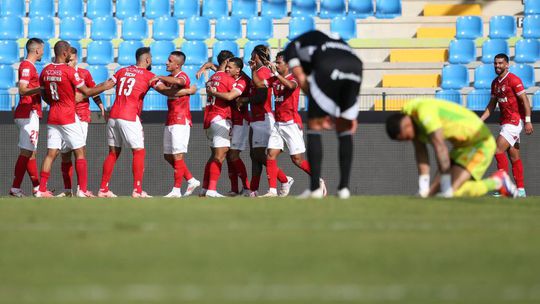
{"points": [[59, 82], [82, 110], [27, 115], [508, 92]]}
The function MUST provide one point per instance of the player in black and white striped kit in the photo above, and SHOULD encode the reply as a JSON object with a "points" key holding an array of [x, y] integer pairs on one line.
{"points": [[330, 74]]}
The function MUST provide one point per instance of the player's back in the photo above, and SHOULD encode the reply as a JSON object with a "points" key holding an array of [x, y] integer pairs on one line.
{"points": [[178, 107], [60, 82], [223, 83], [132, 84]]}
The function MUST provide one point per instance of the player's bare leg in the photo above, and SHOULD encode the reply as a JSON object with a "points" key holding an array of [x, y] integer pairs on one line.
{"points": [[81, 167], [138, 173], [108, 166], [517, 169], [46, 172], [67, 173], [26, 162]]}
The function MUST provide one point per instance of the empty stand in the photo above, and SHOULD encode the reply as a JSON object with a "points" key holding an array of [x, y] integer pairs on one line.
{"points": [[249, 46], [224, 45], [345, 26], [483, 76], [449, 95], [157, 8], [492, 47], [126, 52], [387, 8], [70, 8], [260, 28], [197, 28], [186, 8], [15, 8], [160, 70], [418, 55], [128, 8], [5, 101], [215, 8], [274, 8], [436, 32], [228, 28], [244, 8], [455, 76], [153, 101], [411, 80], [462, 51], [7, 77], [525, 72], [332, 8], [165, 28], [134, 28], [103, 28], [527, 51], [100, 52], [300, 25], [11, 28], [502, 27], [361, 8], [531, 7], [75, 44], [72, 28], [195, 102], [191, 71], [303, 8], [98, 8], [469, 27], [42, 27], [434, 9], [477, 99], [161, 51], [196, 52], [536, 101], [531, 26], [41, 8]]}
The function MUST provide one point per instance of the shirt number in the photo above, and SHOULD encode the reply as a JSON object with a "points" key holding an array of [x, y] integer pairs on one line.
{"points": [[54, 91], [128, 83]]}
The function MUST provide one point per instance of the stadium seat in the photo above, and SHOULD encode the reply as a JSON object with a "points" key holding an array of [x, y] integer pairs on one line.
{"points": [[450, 95], [502, 27], [98, 8], [492, 47], [7, 77], [536, 101], [197, 28], [126, 52], [260, 28], [531, 26], [332, 8], [191, 71], [5, 101], [42, 27], [454, 77], [103, 28], [128, 8], [165, 28], [160, 70], [387, 9], [303, 8], [418, 55], [157, 8], [525, 72], [483, 76], [161, 51], [195, 103], [436, 32], [275, 9], [46, 53], [196, 52], [154, 101], [361, 8], [72, 28], [461, 51], [184, 9], [300, 25], [100, 52], [215, 8], [99, 73], [70, 8], [228, 28], [531, 7], [11, 28], [41, 8], [452, 9], [527, 51], [224, 45], [14, 8], [10, 52], [469, 27], [249, 46], [40, 66], [477, 100], [345, 26], [76, 44], [247, 70], [244, 8], [134, 28]]}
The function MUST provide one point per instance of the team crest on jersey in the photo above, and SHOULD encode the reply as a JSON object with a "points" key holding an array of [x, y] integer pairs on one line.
{"points": [[25, 72]]}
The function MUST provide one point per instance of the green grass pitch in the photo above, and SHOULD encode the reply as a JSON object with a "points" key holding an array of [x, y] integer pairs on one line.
{"points": [[364, 250]]}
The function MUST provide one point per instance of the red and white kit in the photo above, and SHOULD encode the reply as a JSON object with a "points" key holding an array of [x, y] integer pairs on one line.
{"points": [[217, 114], [240, 117], [178, 126], [28, 111], [505, 91], [262, 118]]}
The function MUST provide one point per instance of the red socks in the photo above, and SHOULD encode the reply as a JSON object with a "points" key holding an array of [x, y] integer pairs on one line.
{"points": [[187, 173], [179, 167], [305, 166], [255, 180], [31, 168], [281, 176], [20, 169], [43, 182], [215, 170], [502, 161], [81, 166], [108, 166], [233, 176], [138, 169], [67, 173], [517, 170], [272, 172], [240, 169]]}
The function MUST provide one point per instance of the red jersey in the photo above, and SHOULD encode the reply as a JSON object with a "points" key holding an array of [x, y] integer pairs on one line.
{"points": [[223, 83], [132, 84], [286, 101], [60, 82], [28, 74], [82, 109], [242, 85], [258, 110], [179, 113], [506, 90]]}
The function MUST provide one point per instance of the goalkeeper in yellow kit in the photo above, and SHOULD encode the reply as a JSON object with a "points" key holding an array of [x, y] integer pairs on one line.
{"points": [[428, 120]]}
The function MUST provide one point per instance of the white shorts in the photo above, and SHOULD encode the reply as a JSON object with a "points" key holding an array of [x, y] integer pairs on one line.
{"points": [[124, 132], [84, 126], [511, 132], [262, 131], [66, 137], [176, 139], [219, 133], [240, 136], [28, 131], [289, 133]]}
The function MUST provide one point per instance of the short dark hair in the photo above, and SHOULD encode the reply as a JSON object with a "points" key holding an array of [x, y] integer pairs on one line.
{"points": [[73, 50], [32, 43], [238, 62], [224, 55], [280, 54], [393, 125], [179, 54], [61, 46], [141, 51], [501, 56]]}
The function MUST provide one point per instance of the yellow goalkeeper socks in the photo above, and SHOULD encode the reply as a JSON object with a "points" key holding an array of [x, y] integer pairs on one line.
{"points": [[477, 188]]}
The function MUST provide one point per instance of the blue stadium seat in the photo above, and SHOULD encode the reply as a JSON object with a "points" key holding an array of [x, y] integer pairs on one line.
{"points": [[160, 70], [527, 51], [215, 8], [260, 28], [15, 8], [244, 8], [100, 52], [332, 8], [531, 7], [184, 9], [46, 53], [531, 26], [72, 28], [228, 28], [10, 52], [191, 71], [525, 72], [42, 27], [103, 28], [161, 51], [134, 28], [7, 77], [126, 52], [100, 73], [477, 100], [483, 76], [247, 70], [40, 66], [345, 26], [195, 103], [361, 8], [502, 27], [5, 101], [98, 8], [387, 8], [76, 44], [11, 28], [275, 9], [461, 51], [450, 95], [157, 8], [492, 47], [154, 101], [165, 28], [197, 28], [249, 46], [303, 8], [41, 8], [454, 76], [536, 101], [70, 8], [224, 45], [128, 8], [300, 25], [469, 27], [196, 52]]}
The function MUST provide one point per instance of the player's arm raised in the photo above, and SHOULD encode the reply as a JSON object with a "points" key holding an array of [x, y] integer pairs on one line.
{"points": [[422, 161], [204, 67], [290, 85], [443, 160]]}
